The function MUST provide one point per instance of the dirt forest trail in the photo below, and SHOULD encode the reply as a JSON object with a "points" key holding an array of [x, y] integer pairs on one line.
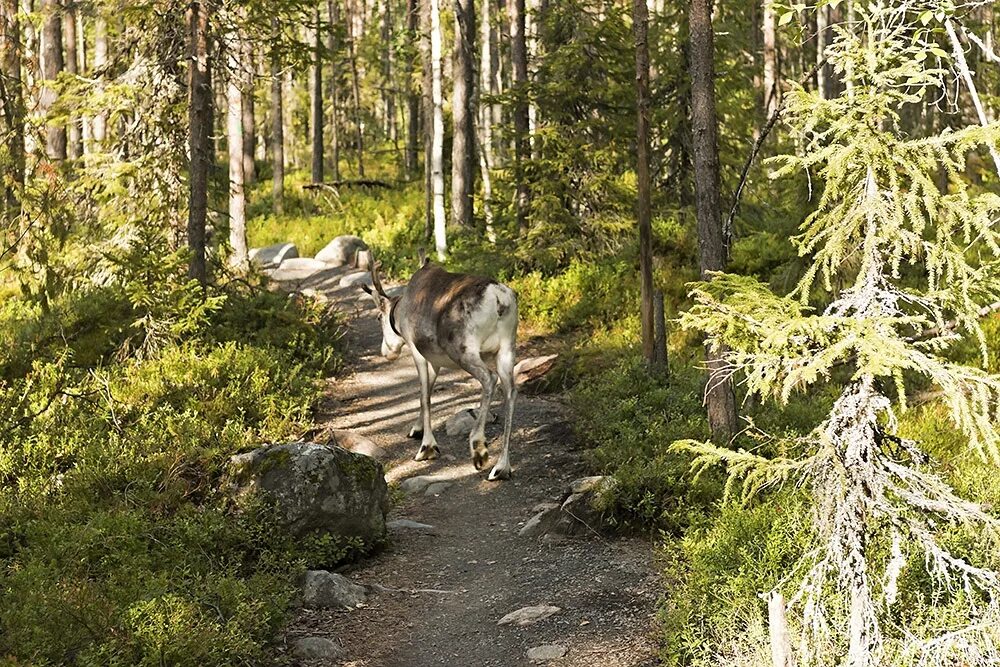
{"points": [[439, 592]]}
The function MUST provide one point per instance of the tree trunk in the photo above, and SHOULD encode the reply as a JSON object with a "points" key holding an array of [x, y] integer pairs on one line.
{"points": [[719, 396], [249, 120], [199, 135], [412, 95], [12, 97], [464, 138], [356, 90], [640, 27], [486, 119], [772, 92], [519, 62], [277, 133], [822, 75], [316, 97], [72, 63], [52, 65], [100, 123], [427, 109], [333, 10], [437, 134], [234, 136], [388, 92]]}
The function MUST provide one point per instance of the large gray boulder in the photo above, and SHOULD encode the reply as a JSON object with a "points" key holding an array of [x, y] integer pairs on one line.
{"points": [[342, 251], [315, 488], [271, 256]]}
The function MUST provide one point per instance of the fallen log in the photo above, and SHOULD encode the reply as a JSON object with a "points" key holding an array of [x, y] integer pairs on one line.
{"points": [[347, 183], [533, 368]]}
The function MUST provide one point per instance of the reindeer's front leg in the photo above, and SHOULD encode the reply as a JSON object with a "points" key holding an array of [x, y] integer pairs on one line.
{"points": [[417, 430], [428, 445]]}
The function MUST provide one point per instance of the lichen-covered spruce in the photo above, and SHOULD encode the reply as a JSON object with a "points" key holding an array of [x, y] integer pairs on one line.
{"points": [[454, 320]]}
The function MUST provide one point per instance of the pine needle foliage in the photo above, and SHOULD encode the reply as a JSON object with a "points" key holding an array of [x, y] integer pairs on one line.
{"points": [[899, 271]]}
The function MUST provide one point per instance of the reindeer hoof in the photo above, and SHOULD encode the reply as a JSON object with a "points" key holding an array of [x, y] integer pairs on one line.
{"points": [[480, 456], [427, 453], [415, 434], [499, 473]]}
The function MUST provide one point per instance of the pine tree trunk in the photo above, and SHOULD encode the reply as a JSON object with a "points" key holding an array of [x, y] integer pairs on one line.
{"points": [[100, 123], [333, 11], [719, 397], [316, 97], [519, 62], [640, 27], [277, 133], [463, 141], [248, 81], [388, 92], [772, 93], [234, 137], [72, 63], [199, 135], [437, 136], [356, 90], [52, 65], [427, 109], [13, 106], [412, 95]]}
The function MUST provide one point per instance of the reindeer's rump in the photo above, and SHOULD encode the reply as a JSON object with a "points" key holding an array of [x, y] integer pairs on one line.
{"points": [[466, 312]]}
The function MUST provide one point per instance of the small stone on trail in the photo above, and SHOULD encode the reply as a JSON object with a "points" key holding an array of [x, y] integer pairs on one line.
{"points": [[325, 590], [436, 488], [546, 652], [418, 483], [316, 648], [529, 615], [358, 444], [542, 522], [406, 524]]}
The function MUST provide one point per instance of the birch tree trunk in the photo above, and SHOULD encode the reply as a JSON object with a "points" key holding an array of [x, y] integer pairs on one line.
{"points": [[437, 134], [234, 137], [52, 65], [486, 119], [277, 133], [316, 98], [640, 27], [823, 79], [463, 114], [74, 148], [199, 135], [519, 62], [719, 397]]}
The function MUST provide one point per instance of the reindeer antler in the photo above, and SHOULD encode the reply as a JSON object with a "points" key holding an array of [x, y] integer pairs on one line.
{"points": [[376, 282]]}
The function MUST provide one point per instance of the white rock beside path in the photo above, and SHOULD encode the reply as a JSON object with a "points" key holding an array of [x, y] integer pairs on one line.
{"points": [[271, 256], [342, 251], [358, 278], [529, 615], [297, 268], [419, 483], [316, 648], [546, 652], [329, 590]]}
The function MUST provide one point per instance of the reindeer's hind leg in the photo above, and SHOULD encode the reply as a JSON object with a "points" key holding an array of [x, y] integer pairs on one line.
{"points": [[473, 364], [417, 430], [505, 369], [428, 445]]}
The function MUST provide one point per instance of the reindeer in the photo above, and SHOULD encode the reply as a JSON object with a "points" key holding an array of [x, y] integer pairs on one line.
{"points": [[453, 319]]}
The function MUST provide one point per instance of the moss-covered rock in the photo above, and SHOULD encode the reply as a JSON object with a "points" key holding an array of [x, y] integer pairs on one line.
{"points": [[315, 488]]}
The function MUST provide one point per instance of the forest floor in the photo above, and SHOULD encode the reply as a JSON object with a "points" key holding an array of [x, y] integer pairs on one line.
{"points": [[442, 590]]}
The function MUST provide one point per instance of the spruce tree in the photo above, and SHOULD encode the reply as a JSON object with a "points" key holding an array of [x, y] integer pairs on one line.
{"points": [[899, 272]]}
